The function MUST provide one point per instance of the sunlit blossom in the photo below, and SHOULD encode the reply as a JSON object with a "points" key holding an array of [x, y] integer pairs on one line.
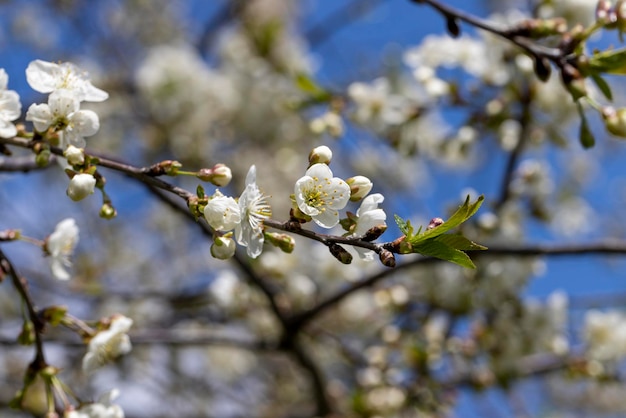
{"points": [[47, 77], [369, 215], [254, 209], [64, 114], [320, 195], [10, 107]]}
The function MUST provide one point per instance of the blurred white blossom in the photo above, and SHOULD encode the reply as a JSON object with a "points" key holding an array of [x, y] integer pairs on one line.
{"points": [[60, 247]]}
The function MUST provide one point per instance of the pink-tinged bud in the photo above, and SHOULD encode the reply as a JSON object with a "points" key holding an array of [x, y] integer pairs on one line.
{"points": [[360, 186], [74, 155], [320, 155], [81, 186], [615, 121], [220, 175], [223, 247], [434, 223], [603, 12]]}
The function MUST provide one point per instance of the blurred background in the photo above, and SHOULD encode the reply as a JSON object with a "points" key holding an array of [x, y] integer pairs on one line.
{"points": [[429, 119]]}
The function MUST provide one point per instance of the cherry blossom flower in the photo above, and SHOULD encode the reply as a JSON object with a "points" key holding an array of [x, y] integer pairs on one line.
{"points": [[81, 186], [109, 344], [10, 107], [47, 77], [320, 195], [64, 114], [245, 216], [103, 408], [222, 212], [254, 209], [60, 246], [369, 215]]}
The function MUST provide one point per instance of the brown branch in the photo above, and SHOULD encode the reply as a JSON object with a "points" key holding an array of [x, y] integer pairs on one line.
{"points": [[21, 286]]}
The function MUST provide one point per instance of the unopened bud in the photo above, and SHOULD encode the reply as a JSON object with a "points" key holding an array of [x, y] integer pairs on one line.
{"points": [[434, 223], [400, 246], [604, 12], [340, 253], [223, 247], [360, 186], [387, 258], [107, 211], [574, 82], [170, 167], [283, 241], [220, 175], [43, 157], [320, 155], [74, 155], [81, 186], [374, 232], [615, 120]]}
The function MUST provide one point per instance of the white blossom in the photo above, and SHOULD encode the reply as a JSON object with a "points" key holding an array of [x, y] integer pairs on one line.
{"points": [[60, 247], [369, 215], [377, 105], [74, 155], [64, 114], [605, 335], [103, 408], [222, 212], [109, 344], [245, 216], [223, 248], [47, 77], [320, 195], [81, 186], [254, 209], [10, 107]]}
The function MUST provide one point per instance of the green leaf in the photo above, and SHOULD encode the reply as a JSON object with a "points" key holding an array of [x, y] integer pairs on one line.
{"points": [[439, 249], [612, 61], [462, 214], [309, 86], [585, 135], [603, 86], [459, 242], [405, 226]]}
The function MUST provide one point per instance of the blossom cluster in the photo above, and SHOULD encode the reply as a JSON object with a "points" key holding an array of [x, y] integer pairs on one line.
{"points": [[318, 196], [61, 120]]}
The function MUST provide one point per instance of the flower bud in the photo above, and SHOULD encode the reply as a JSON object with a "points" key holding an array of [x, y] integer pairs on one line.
{"points": [[220, 175], [283, 241], [74, 155], [107, 211], [434, 223], [81, 186], [360, 186], [615, 121], [387, 258], [321, 154], [340, 253], [223, 247], [374, 233]]}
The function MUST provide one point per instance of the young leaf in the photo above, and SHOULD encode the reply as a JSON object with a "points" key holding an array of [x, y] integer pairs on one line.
{"points": [[612, 61], [459, 242], [462, 214], [405, 226], [602, 85], [585, 135], [439, 249]]}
